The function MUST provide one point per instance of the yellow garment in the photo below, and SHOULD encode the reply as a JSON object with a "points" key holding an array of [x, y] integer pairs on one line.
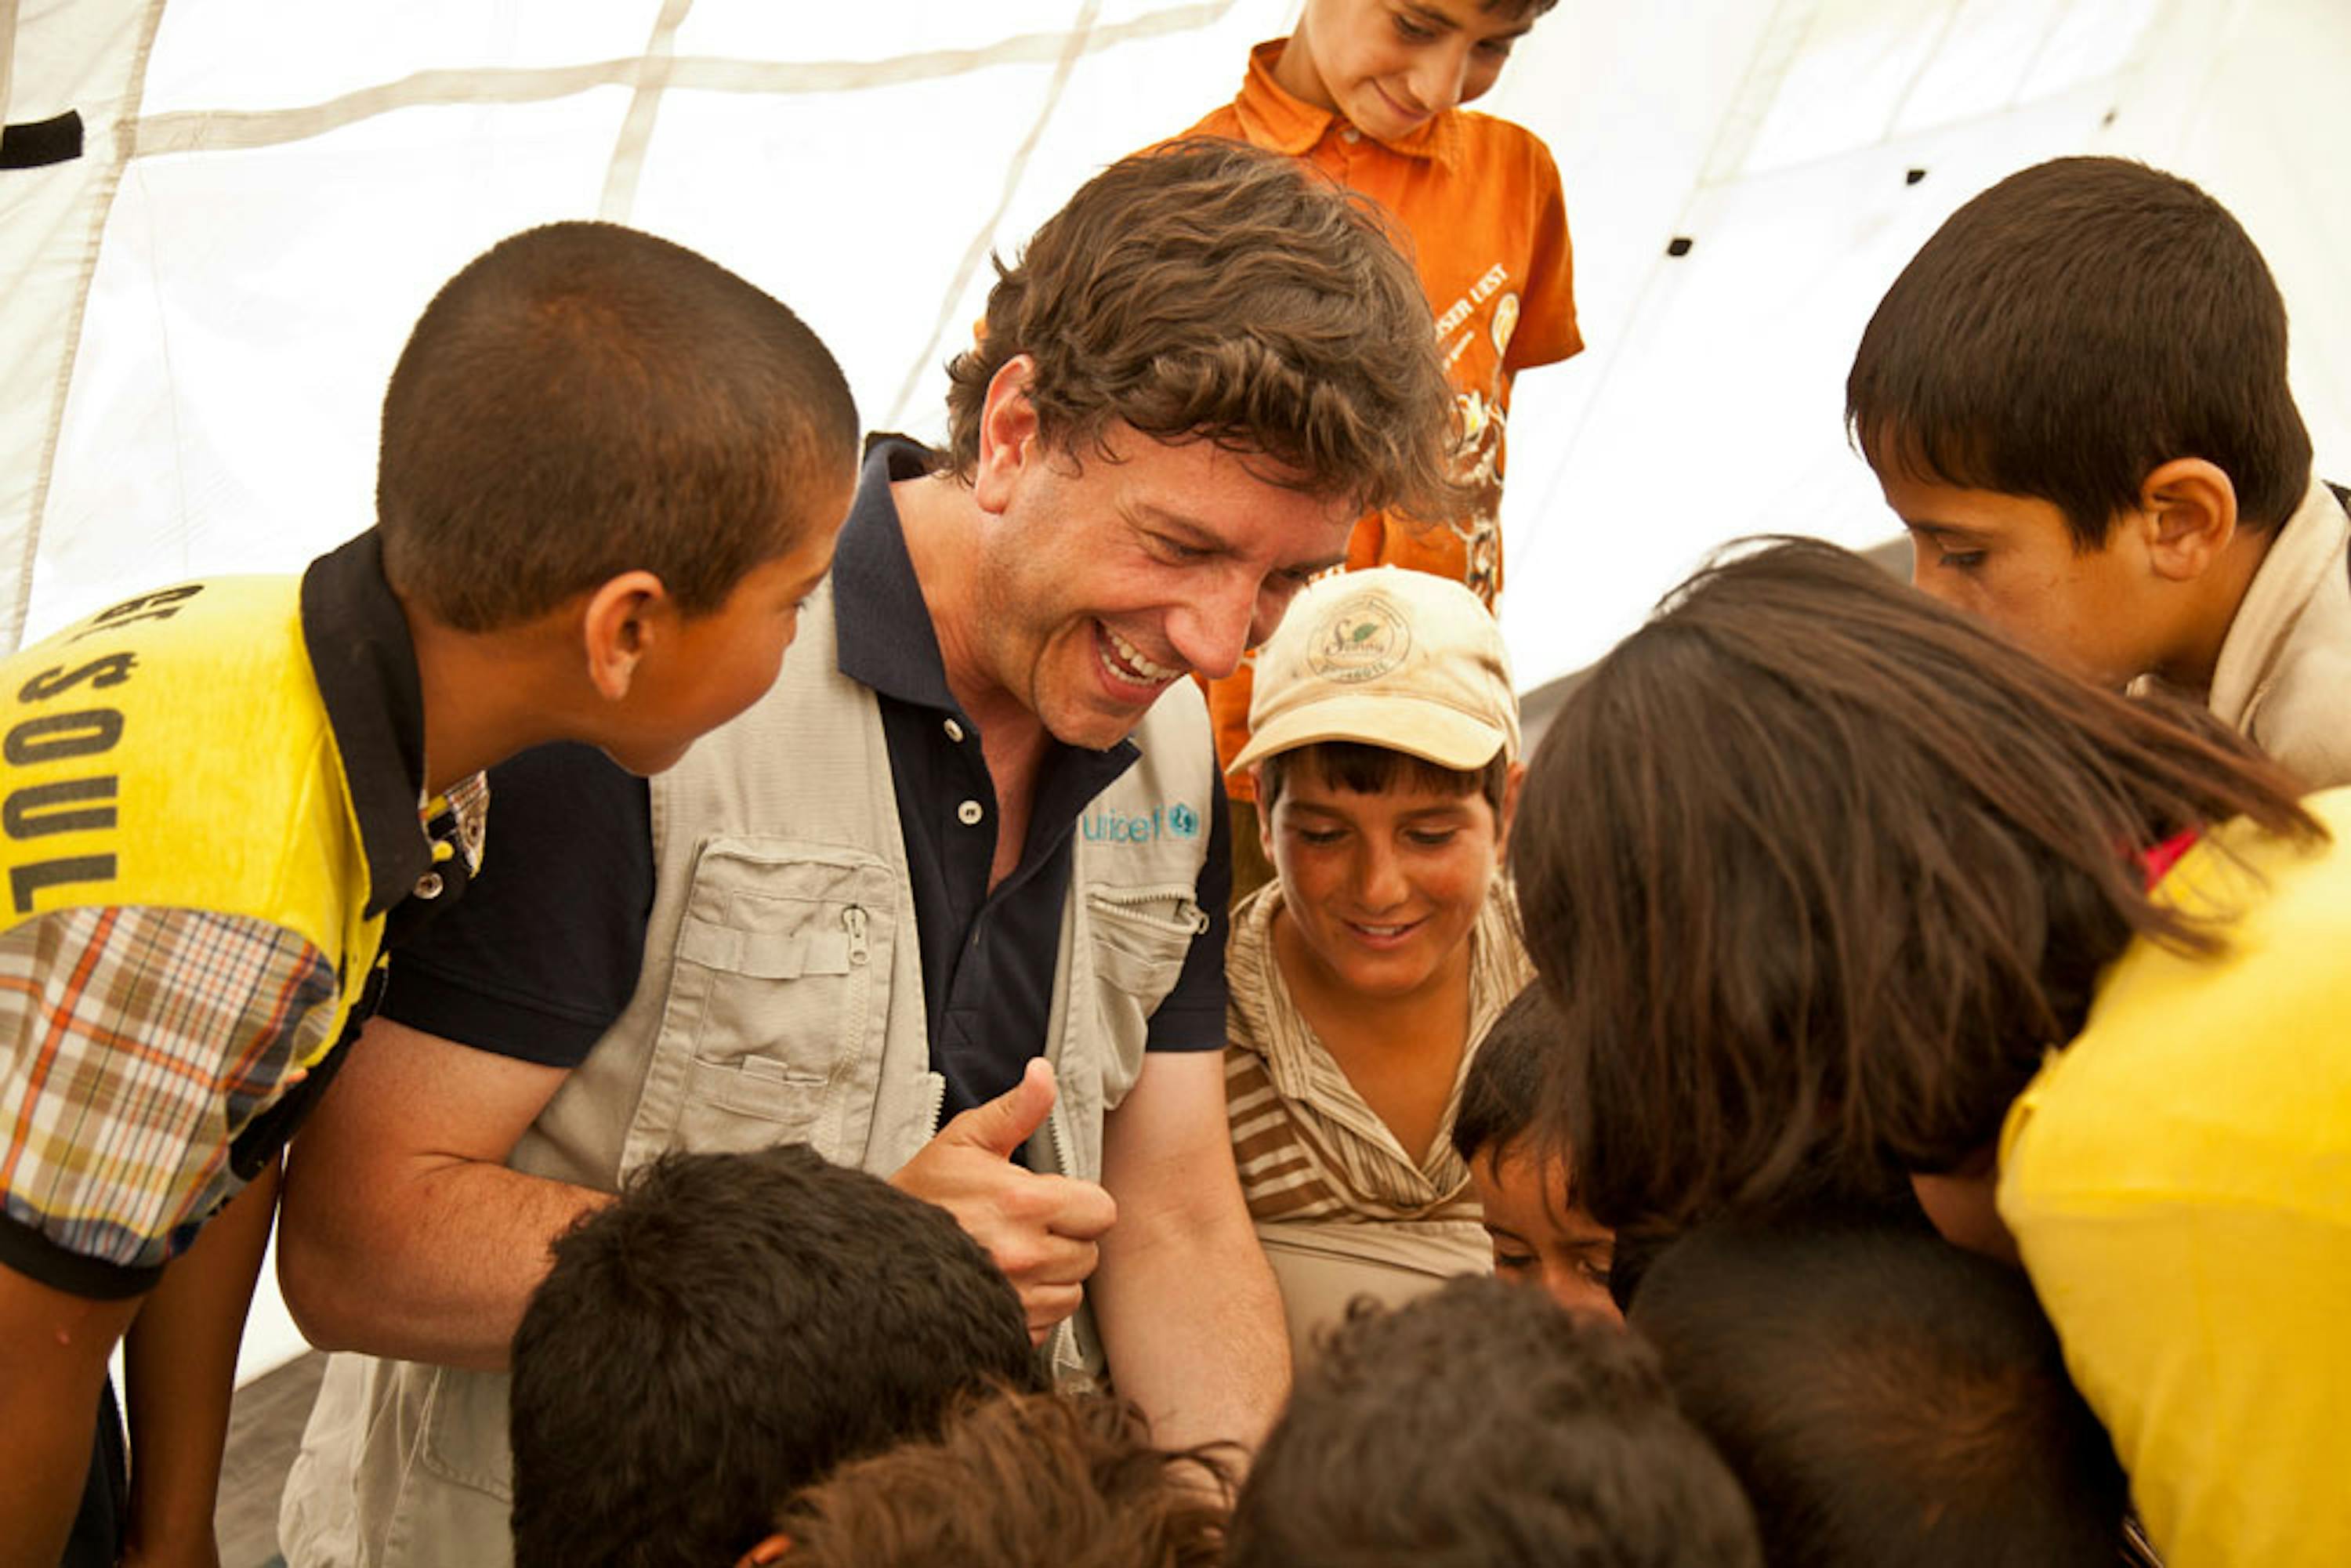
{"points": [[2178, 1181], [173, 752]]}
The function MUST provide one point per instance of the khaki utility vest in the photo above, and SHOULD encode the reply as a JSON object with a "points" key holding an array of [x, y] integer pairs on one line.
{"points": [[780, 1001]]}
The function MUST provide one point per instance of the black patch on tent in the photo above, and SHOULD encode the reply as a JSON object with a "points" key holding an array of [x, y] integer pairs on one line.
{"points": [[40, 142], [1679, 245], [2106, 119], [1914, 176]]}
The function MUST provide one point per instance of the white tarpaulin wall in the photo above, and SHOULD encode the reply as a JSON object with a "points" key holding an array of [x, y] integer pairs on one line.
{"points": [[202, 308]]}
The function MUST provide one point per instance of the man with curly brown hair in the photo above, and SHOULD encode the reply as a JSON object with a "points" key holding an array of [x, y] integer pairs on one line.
{"points": [[950, 904]]}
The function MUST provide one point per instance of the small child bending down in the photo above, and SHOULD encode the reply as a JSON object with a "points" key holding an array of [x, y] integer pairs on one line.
{"points": [[1525, 1189], [729, 1329]]}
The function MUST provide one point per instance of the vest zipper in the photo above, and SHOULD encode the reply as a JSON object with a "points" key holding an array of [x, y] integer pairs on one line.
{"points": [[938, 1098], [1188, 910], [852, 919]]}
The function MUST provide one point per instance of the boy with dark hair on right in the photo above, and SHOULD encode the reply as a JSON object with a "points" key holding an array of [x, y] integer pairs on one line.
{"points": [[2075, 398], [727, 1332], [1884, 1397], [1482, 1424]]}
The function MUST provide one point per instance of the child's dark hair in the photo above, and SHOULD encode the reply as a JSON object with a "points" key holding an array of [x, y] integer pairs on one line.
{"points": [[1483, 1424], [1817, 870], [1017, 1480], [1884, 1397], [1505, 1079], [584, 399], [727, 1332], [2072, 330], [1365, 770]]}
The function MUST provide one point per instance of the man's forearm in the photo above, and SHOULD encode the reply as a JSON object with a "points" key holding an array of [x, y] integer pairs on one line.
{"points": [[1191, 1322], [437, 1269]]}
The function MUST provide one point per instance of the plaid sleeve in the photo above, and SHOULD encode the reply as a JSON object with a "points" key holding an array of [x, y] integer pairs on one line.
{"points": [[136, 1044]]}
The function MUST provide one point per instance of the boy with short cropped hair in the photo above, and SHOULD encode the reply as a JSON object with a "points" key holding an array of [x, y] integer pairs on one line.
{"points": [[1525, 1187], [609, 471], [1386, 750], [1370, 92], [727, 1332], [1884, 1396], [2075, 398], [1016, 1479], [1481, 1424]]}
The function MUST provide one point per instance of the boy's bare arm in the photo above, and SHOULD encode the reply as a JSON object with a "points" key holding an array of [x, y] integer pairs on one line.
{"points": [[53, 1351], [402, 1232], [179, 1364], [1190, 1317]]}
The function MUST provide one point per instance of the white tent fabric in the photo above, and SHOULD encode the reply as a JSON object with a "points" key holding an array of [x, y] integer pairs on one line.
{"points": [[202, 308]]}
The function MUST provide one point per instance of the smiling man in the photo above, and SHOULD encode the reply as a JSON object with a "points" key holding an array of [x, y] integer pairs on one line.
{"points": [[978, 826]]}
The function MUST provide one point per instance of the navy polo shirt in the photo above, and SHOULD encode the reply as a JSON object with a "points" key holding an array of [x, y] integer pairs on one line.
{"points": [[573, 875], [987, 957]]}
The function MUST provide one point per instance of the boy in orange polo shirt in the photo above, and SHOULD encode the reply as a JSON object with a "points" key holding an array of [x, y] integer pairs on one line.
{"points": [[1369, 91]]}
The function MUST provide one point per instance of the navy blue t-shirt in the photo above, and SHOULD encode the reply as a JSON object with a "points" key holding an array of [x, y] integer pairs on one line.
{"points": [[543, 953]]}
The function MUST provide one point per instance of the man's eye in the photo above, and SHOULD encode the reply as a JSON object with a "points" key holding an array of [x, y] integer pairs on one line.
{"points": [[1413, 32], [1177, 551], [1959, 560]]}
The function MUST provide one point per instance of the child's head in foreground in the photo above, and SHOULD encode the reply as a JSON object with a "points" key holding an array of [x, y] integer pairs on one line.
{"points": [[1525, 1186], [1015, 1480], [1383, 730], [588, 420], [1818, 870], [731, 1328], [2075, 399], [1884, 1396], [1390, 66], [1481, 1424]]}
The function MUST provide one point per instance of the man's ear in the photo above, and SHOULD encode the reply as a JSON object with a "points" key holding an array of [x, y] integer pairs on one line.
{"points": [[1510, 812], [2190, 511], [619, 625], [1007, 433]]}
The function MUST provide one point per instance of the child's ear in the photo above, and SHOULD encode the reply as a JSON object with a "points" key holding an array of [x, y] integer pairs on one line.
{"points": [[2190, 511], [1007, 433], [771, 1550], [1509, 813], [619, 623], [1264, 812]]}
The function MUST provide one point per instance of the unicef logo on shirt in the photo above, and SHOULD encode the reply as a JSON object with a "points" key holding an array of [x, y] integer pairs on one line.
{"points": [[1177, 819]]}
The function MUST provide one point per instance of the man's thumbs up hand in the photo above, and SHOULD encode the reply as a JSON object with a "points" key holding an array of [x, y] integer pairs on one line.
{"points": [[1040, 1229]]}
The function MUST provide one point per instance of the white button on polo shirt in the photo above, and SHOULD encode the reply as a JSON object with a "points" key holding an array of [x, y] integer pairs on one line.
{"points": [[969, 813]]}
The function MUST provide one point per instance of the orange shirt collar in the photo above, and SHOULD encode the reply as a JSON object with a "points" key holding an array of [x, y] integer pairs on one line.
{"points": [[1277, 119]]}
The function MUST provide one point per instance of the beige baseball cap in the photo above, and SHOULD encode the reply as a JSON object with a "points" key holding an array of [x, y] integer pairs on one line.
{"points": [[1387, 657]]}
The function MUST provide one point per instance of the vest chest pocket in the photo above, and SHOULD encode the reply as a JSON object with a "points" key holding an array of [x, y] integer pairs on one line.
{"points": [[773, 1026], [1139, 938]]}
